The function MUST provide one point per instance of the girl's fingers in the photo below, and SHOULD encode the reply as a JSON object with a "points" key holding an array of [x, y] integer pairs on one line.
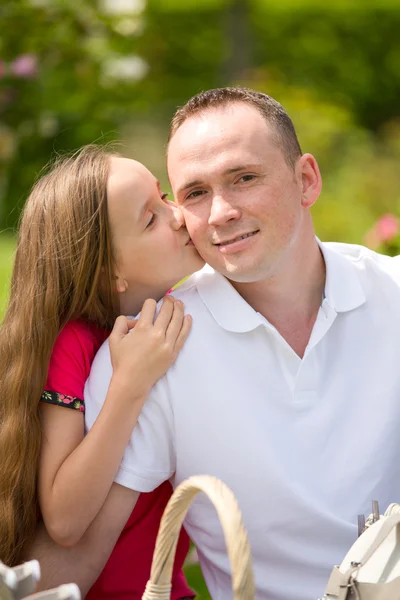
{"points": [[184, 332], [164, 316], [131, 323], [148, 312], [175, 324], [120, 327]]}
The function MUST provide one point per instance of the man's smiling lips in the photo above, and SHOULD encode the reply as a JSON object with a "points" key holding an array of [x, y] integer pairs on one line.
{"points": [[235, 239], [237, 243]]}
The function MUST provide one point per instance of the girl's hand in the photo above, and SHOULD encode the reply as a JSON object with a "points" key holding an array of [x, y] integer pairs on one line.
{"points": [[142, 350]]}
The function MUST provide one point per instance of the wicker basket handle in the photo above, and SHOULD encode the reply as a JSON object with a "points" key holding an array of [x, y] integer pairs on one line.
{"points": [[159, 585]]}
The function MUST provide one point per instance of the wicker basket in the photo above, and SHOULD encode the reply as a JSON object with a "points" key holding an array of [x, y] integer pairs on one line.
{"points": [[159, 585]]}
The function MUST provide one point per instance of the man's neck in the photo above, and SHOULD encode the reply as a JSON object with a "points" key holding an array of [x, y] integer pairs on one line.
{"points": [[290, 300]]}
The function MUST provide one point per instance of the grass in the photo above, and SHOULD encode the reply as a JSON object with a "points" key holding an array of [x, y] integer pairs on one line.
{"points": [[196, 582], [7, 248]]}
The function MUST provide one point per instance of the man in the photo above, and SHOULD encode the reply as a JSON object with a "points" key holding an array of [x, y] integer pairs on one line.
{"points": [[287, 388]]}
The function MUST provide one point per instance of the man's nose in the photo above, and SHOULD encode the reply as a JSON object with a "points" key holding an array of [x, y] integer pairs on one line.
{"points": [[222, 211], [177, 216]]}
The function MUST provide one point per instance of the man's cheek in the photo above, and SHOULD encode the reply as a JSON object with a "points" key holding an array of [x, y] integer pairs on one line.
{"points": [[194, 224]]}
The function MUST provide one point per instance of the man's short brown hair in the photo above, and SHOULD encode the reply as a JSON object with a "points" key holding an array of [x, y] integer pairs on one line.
{"points": [[270, 109]]}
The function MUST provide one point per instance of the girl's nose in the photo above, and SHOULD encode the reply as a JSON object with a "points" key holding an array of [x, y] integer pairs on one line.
{"points": [[178, 220]]}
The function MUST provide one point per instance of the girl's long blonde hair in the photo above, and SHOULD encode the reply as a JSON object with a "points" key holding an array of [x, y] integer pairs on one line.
{"points": [[63, 270]]}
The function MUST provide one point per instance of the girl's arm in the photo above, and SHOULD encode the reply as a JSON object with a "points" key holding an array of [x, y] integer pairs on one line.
{"points": [[83, 563], [77, 471]]}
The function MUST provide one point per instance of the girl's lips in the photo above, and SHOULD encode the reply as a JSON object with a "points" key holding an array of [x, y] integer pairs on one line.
{"points": [[237, 246]]}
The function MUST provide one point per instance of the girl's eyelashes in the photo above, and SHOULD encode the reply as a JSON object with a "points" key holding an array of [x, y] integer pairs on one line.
{"points": [[153, 218]]}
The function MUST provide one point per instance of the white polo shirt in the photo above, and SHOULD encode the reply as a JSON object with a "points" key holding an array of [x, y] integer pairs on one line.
{"points": [[305, 444]]}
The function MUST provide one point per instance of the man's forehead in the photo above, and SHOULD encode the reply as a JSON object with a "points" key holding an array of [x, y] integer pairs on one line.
{"points": [[223, 163], [198, 158], [217, 122], [214, 130], [197, 153]]}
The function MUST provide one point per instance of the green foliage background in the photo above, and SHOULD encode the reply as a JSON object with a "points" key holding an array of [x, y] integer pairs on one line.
{"points": [[334, 66], [104, 74]]}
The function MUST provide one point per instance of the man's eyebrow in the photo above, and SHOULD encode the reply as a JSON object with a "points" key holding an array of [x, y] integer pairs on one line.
{"points": [[244, 167], [230, 171], [186, 186]]}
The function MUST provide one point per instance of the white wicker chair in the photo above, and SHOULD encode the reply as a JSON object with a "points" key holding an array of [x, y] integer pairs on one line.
{"points": [[19, 582]]}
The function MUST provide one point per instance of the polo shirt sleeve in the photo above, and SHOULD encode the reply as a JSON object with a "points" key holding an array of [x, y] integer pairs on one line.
{"points": [[149, 458]]}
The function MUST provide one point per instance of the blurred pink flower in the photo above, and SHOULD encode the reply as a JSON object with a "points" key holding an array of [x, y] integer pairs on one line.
{"points": [[371, 239], [387, 227], [25, 66]]}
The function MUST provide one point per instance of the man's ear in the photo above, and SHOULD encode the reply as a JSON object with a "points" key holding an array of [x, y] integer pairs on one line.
{"points": [[311, 180]]}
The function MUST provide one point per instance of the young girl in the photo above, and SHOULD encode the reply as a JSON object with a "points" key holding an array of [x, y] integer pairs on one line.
{"points": [[97, 238]]}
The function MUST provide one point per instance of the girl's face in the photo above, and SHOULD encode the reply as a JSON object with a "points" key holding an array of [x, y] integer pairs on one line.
{"points": [[152, 247]]}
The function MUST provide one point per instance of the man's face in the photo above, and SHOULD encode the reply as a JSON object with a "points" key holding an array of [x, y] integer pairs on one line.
{"points": [[241, 201]]}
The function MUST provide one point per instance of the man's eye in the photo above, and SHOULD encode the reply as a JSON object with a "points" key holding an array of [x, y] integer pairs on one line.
{"points": [[164, 196], [195, 194], [246, 177], [153, 218]]}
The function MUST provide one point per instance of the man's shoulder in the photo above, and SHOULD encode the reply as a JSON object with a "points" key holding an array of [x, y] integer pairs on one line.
{"points": [[367, 260], [101, 365]]}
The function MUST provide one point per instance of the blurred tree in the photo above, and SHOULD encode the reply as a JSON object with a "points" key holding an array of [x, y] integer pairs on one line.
{"points": [[67, 78], [348, 51], [72, 72], [238, 37]]}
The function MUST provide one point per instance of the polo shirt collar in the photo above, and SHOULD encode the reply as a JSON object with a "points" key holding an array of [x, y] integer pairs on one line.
{"points": [[225, 304], [343, 292]]}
